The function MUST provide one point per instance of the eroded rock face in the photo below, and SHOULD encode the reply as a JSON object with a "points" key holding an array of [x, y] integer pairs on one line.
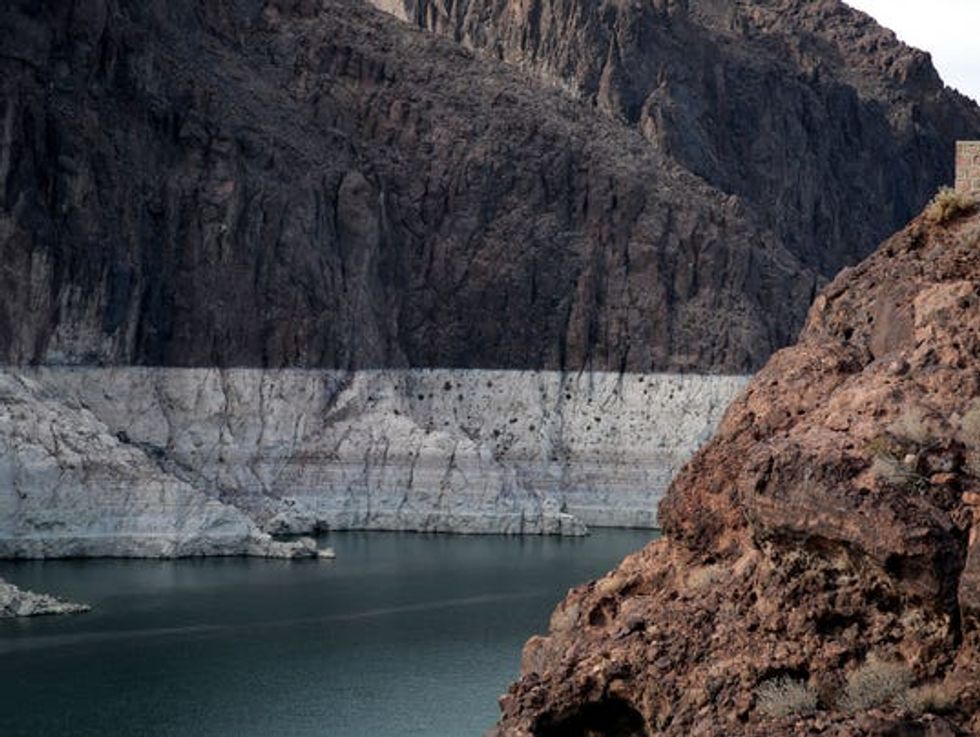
{"points": [[318, 185], [300, 451], [15, 602], [69, 487], [830, 523], [315, 184], [816, 117]]}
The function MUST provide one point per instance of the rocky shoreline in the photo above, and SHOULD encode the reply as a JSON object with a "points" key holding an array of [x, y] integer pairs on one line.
{"points": [[184, 462], [15, 602]]}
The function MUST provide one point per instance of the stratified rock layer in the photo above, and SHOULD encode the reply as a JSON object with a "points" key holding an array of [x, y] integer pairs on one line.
{"points": [[124, 452], [69, 487], [15, 602], [832, 522]]}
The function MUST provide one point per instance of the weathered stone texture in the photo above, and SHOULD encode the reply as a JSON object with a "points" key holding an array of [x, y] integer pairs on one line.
{"points": [[315, 184], [15, 602], [175, 454], [72, 487], [834, 520], [823, 124], [968, 168]]}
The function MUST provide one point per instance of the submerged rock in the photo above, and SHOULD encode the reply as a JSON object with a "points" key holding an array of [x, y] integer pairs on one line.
{"points": [[826, 538], [15, 602]]}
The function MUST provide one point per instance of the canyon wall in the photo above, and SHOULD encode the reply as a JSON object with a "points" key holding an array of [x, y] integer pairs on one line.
{"points": [[254, 189], [822, 122], [301, 451], [319, 185], [69, 487]]}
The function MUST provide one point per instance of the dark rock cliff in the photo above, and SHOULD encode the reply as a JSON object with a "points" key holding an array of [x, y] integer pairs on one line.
{"points": [[828, 126], [317, 184]]}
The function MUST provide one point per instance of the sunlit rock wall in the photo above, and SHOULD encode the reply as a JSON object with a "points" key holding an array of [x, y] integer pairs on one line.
{"points": [[431, 450], [69, 487]]}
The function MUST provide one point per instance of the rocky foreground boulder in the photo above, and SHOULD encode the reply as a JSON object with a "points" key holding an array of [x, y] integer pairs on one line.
{"points": [[820, 570]]}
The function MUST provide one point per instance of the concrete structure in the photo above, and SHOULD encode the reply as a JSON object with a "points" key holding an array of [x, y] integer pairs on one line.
{"points": [[968, 168]]}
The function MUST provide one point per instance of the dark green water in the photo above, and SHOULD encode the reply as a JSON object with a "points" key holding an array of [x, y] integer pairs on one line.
{"points": [[402, 635]]}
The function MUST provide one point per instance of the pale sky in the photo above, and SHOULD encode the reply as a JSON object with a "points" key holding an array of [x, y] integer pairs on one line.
{"points": [[947, 29]]}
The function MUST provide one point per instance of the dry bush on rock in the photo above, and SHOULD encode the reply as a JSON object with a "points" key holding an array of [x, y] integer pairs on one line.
{"points": [[933, 698], [876, 683], [782, 697], [947, 205]]}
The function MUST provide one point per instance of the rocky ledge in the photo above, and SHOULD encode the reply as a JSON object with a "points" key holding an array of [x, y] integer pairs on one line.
{"points": [[15, 602], [820, 571]]}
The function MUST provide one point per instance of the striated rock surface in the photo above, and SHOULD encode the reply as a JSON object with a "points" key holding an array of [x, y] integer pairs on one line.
{"points": [[829, 530], [299, 451], [15, 602], [69, 487], [316, 184], [815, 117]]}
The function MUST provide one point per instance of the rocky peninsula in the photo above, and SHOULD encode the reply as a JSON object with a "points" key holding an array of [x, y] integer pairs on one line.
{"points": [[15, 602]]}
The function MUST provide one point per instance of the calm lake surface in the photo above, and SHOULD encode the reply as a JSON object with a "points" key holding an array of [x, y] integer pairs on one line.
{"points": [[401, 635]]}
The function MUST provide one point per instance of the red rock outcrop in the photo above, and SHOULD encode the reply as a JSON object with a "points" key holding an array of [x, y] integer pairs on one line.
{"points": [[830, 523]]}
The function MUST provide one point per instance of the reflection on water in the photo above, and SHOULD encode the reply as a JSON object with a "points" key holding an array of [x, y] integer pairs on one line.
{"points": [[401, 635]]}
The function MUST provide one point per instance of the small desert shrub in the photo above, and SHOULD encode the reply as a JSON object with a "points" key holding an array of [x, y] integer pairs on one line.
{"points": [[969, 423], [933, 698], [969, 433], [783, 697], [946, 205], [889, 470], [894, 472], [876, 683]]}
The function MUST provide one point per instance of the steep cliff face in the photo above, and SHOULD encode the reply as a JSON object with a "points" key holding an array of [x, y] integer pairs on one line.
{"points": [[828, 534], [72, 487], [316, 184], [818, 118], [169, 462]]}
